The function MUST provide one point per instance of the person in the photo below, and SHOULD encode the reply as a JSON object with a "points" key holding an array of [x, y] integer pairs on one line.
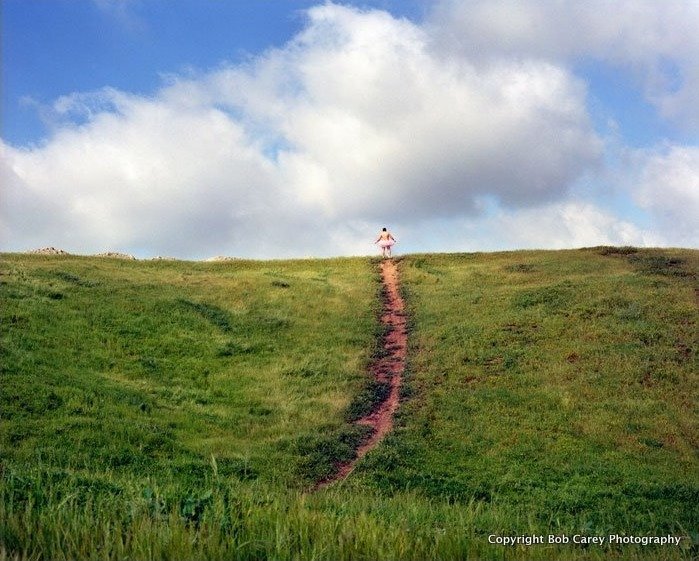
{"points": [[385, 241]]}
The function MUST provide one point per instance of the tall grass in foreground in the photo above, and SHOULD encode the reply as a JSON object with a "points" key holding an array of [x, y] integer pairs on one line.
{"points": [[250, 521]]}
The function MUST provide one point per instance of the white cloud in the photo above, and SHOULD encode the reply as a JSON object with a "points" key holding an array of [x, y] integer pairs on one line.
{"points": [[151, 175], [123, 12], [570, 224], [657, 41], [366, 110], [669, 191], [558, 225]]}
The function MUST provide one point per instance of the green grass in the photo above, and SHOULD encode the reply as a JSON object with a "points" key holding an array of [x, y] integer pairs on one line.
{"points": [[133, 368], [560, 383], [179, 410]]}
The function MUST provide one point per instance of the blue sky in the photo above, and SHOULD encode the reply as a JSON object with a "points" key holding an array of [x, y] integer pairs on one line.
{"points": [[62, 46], [274, 129], [66, 46]]}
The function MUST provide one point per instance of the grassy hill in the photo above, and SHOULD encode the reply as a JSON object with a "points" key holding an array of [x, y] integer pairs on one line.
{"points": [[183, 410]]}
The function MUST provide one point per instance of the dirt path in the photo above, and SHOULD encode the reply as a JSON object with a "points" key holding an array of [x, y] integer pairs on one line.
{"points": [[387, 368]]}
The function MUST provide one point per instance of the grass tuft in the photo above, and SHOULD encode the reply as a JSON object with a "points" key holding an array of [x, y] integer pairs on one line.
{"points": [[659, 264], [215, 315], [367, 400], [612, 250], [323, 453]]}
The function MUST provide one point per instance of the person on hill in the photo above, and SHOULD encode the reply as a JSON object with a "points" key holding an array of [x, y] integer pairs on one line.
{"points": [[385, 241]]}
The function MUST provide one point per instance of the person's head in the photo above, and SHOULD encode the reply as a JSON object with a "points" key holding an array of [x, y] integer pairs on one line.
{"points": [[384, 229]]}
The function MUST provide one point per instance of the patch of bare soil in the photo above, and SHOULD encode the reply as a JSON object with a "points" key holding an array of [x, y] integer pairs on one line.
{"points": [[388, 368]]}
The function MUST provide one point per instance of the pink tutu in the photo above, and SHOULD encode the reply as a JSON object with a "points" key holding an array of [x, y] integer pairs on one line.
{"points": [[386, 243]]}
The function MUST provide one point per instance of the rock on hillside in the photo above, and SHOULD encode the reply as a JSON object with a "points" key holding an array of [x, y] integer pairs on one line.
{"points": [[221, 258], [116, 255], [48, 251]]}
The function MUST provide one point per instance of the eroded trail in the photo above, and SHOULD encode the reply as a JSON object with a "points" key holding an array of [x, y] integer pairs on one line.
{"points": [[387, 368]]}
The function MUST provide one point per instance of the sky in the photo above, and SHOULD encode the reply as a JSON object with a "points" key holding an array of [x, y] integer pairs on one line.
{"points": [[274, 129]]}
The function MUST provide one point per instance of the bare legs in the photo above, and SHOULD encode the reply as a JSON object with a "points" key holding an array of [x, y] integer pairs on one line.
{"points": [[385, 246]]}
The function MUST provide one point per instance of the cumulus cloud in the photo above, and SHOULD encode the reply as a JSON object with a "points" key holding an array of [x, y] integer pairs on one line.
{"points": [[669, 190], [384, 122], [569, 224], [148, 174], [558, 225], [656, 41]]}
